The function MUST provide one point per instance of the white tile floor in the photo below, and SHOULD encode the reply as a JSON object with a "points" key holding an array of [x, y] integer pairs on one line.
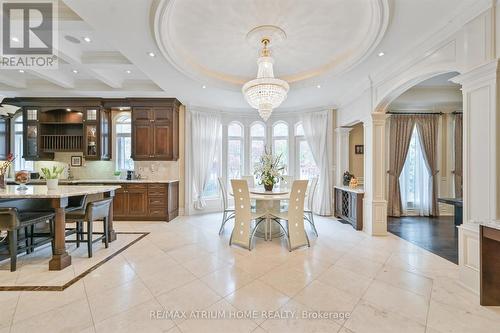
{"points": [[382, 284]]}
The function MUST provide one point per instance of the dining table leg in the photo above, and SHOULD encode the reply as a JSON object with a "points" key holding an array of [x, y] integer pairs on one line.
{"points": [[60, 257], [111, 230]]}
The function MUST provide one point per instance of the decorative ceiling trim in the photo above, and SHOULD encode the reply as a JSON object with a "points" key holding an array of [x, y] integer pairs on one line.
{"points": [[380, 17]]}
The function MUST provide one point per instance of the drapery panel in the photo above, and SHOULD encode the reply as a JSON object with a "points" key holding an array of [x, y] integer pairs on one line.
{"points": [[205, 136], [458, 155], [400, 135], [315, 126]]}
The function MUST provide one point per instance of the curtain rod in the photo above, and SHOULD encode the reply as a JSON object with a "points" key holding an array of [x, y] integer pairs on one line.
{"points": [[391, 112], [457, 112]]}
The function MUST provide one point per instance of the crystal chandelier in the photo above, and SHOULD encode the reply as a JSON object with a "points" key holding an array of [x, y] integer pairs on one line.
{"points": [[265, 93]]}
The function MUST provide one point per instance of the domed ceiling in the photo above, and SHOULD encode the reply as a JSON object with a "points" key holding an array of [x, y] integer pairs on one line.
{"points": [[209, 40]]}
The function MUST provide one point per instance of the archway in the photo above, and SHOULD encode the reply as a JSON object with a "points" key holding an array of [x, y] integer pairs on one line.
{"points": [[375, 142], [423, 184]]}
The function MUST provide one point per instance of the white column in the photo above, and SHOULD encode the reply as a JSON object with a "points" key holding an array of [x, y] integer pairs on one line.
{"points": [[481, 164], [375, 203], [342, 152]]}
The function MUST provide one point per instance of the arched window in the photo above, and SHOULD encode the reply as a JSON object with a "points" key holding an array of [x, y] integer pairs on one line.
{"points": [[124, 142], [280, 142], [257, 143], [20, 163], [235, 144], [305, 166]]}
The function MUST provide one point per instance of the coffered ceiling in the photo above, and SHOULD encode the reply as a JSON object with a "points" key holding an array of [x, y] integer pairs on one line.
{"points": [[203, 55]]}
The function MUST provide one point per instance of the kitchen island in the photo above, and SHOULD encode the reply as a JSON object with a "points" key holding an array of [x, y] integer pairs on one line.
{"points": [[56, 200], [137, 199]]}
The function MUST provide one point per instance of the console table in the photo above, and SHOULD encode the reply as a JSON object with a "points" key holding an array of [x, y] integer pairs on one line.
{"points": [[458, 204], [349, 205]]}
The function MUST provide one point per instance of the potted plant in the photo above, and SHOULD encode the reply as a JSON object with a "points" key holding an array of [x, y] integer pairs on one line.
{"points": [[269, 170], [52, 176], [117, 174]]}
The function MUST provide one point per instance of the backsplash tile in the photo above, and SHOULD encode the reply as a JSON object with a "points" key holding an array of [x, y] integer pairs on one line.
{"points": [[158, 170]]}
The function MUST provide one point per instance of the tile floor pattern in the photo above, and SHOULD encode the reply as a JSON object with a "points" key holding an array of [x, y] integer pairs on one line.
{"points": [[385, 284]]}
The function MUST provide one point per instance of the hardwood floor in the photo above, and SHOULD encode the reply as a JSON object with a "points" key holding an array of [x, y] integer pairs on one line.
{"points": [[435, 234]]}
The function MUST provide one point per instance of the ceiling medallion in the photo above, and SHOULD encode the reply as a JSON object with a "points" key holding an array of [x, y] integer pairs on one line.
{"points": [[265, 93]]}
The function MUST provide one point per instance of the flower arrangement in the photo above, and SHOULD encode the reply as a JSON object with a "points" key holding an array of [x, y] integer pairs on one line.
{"points": [[4, 167], [269, 170]]}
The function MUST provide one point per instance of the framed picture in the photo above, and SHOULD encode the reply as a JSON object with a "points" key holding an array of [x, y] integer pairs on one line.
{"points": [[76, 161], [359, 149]]}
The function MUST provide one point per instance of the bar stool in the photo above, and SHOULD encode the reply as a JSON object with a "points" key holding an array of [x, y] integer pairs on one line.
{"points": [[94, 211], [13, 221]]}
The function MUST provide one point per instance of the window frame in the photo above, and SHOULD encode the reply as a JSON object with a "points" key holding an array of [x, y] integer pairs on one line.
{"points": [[119, 135], [275, 138], [253, 138], [19, 136], [241, 140]]}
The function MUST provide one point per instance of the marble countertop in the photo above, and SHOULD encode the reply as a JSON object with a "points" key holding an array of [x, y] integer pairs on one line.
{"points": [[101, 181], [62, 191], [358, 189], [491, 224]]}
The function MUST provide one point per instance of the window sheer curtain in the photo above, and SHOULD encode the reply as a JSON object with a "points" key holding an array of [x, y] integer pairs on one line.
{"points": [[205, 136], [400, 136], [415, 180], [315, 126], [427, 126]]}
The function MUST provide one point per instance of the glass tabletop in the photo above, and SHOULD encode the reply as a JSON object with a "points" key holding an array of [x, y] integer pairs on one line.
{"points": [[275, 191]]}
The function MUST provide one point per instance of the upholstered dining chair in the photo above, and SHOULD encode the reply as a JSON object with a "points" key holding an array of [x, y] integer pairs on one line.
{"points": [[228, 211], [294, 217], [250, 180], [243, 230], [308, 213]]}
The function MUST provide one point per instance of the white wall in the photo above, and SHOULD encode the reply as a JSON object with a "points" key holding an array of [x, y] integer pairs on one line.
{"points": [[468, 45]]}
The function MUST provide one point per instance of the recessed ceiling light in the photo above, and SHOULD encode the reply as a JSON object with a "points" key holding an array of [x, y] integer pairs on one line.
{"points": [[128, 71], [151, 54], [75, 71], [72, 39], [87, 39], [68, 110], [204, 87], [21, 71], [318, 86], [15, 39], [381, 54]]}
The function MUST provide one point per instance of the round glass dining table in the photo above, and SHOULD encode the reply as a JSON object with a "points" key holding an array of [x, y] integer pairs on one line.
{"points": [[269, 202]]}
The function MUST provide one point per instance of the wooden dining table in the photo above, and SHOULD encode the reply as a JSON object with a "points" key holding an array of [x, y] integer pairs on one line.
{"points": [[56, 200]]}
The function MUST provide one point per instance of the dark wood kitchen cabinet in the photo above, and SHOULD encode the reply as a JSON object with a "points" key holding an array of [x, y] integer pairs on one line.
{"points": [[51, 125], [155, 131], [4, 137], [146, 201]]}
